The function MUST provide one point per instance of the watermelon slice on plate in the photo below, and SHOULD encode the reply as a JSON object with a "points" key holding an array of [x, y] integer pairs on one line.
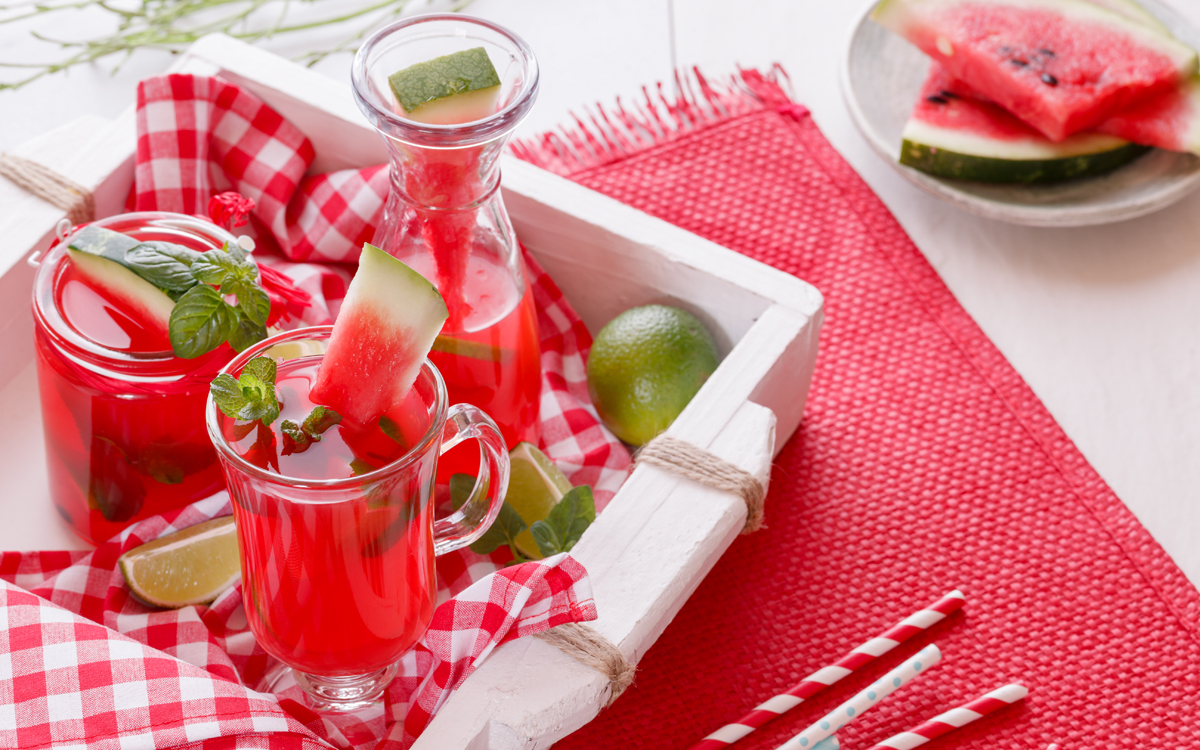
{"points": [[1060, 65], [383, 332], [952, 134], [1170, 120]]}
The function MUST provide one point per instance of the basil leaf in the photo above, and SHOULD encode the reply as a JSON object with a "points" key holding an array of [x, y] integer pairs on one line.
{"points": [[263, 368], [227, 394], [164, 265], [200, 322], [566, 522], [246, 335]]}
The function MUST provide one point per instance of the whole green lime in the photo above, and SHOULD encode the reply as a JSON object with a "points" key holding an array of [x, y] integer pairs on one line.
{"points": [[644, 368]]}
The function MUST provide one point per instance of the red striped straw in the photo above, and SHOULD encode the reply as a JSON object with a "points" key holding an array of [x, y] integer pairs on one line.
{"points": [[826, 676], [955, 718]]}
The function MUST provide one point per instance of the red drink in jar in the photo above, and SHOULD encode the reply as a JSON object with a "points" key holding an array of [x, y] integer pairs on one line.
{"points": [[123, 417]]}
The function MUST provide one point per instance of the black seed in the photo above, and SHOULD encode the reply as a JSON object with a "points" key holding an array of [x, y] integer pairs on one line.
{"points": [[948, 94], [1047, 52], [1049, 79], [1005, 50], [1019, 62], [936, 100]]}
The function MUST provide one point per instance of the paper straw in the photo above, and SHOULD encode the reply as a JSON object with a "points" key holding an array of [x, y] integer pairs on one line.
{"points": [[955, 718], [808, 687], [853, 708], [829, 743]]}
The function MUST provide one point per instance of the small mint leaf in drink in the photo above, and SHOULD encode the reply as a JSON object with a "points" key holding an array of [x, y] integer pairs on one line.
{"points": [[200, 322], [360, 467], [295, 439], [392, 430], [163, 264], [321, 418], [263, 368], [227, 394], [566, 522]]}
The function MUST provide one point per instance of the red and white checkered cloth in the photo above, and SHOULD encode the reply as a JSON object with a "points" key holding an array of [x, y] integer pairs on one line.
{"points": [[82, 664]]}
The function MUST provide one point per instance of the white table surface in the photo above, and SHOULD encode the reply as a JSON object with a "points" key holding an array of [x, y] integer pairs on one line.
{"points": [[1103, 322]]}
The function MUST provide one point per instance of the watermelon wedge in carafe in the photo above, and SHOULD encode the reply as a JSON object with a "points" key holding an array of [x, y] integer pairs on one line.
{"points": [[445, 92]]}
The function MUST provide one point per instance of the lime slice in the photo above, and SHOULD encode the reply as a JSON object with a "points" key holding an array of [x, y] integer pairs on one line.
{"points": [[535, 485], [448, 90], [191, 566]]}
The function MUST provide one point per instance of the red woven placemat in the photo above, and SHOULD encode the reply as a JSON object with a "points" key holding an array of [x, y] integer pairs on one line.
{"points": [[924, 463]]}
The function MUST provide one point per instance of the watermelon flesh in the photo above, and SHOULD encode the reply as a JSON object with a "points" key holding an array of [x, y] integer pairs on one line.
{"points": [[384, 330], [1060, 65], [1170, 121]]}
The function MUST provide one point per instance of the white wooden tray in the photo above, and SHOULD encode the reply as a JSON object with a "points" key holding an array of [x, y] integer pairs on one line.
{"points": [[659, 536]]}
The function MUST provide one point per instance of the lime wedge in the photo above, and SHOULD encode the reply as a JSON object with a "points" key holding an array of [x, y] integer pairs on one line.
{"points": [[191, 566], [535, 485], [448, 90]]}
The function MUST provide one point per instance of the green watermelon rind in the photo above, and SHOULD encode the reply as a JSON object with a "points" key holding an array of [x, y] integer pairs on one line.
{"points": [[941, 162]]}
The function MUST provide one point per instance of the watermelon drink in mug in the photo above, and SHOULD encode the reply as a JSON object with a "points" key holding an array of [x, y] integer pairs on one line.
{"points": [[335, 514], [123, 415], [445, 92]]}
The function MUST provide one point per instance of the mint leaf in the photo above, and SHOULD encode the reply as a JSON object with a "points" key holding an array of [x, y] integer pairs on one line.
{"points": [[295, 440], [392, 430], [261, 403], [566, 522], [165, 265], [253, 303], [213, 267], [360, 467], [227, 395], [200, 322], [503, 531], [321, 418], [246, 334], [263, 368]]}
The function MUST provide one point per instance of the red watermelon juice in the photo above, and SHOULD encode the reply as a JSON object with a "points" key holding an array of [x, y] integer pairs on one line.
{"points": [[123, 418], [342, 582]]}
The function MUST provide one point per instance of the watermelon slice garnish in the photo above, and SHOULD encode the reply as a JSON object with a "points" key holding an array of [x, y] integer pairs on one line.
{"points": [[1170, 121], [952, 134], [384, 330], [98, 257], [1060, 65]]}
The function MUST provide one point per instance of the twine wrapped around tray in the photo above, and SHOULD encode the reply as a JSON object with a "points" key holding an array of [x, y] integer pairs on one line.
{"points": [[687, 460], [50, 186]]}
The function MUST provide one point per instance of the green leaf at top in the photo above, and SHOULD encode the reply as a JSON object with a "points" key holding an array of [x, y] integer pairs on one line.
{"points": [[566, 522], [165, 265], [214, 267], [227, 395], [200, 322], [253, 303], [261, 403]]}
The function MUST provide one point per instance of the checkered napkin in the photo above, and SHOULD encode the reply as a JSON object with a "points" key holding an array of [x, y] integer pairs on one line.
{"points": [[82, 664]]}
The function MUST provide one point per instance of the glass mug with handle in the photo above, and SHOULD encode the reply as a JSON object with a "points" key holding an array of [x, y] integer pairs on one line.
{"points": [[338, 537]]}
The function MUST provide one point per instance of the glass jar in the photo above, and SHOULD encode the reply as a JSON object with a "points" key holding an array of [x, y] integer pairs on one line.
{"points": [[124, 427], [445, 218]]}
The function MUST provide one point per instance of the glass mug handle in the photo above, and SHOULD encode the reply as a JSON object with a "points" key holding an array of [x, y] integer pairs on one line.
{"points": [[472, 519]]}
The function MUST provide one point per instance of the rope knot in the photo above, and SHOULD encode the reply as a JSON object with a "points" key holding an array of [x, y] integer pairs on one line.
{"points": [[50, 186]]}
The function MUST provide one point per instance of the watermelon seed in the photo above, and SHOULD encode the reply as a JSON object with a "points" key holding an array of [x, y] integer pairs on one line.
{"points": [[1019, 62], [1049, 79], [936, 100], [1047, 52], [948, 94]]}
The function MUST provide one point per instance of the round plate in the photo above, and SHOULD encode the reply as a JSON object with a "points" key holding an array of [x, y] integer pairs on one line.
{"points": [[881, 77]]}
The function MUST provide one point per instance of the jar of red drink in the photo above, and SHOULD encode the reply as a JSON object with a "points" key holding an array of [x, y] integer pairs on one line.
{"points": [[123, 415]]}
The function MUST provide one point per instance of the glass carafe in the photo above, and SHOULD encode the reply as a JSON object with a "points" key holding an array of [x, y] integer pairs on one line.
{"points": [[445, 218]]}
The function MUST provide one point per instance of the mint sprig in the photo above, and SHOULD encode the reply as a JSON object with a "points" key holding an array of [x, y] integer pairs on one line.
{"points": [[251, 397], [566, 522], [199, 283], [297, 437]]}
